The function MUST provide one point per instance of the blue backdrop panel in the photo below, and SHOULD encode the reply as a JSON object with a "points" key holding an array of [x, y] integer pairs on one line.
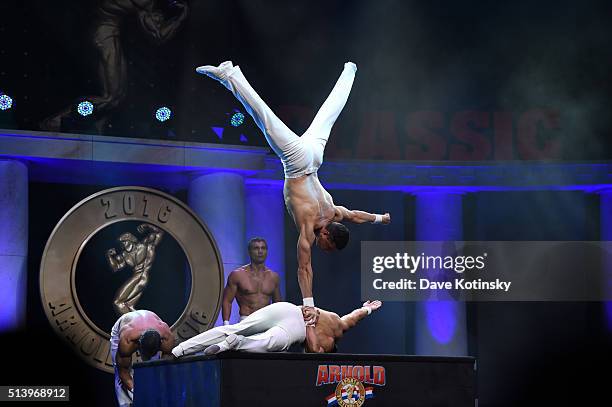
{"points": [[178, 384]]}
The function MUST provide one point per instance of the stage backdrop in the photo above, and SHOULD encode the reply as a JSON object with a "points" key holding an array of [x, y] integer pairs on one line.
{"points": [[470, 80], [532, 346]]}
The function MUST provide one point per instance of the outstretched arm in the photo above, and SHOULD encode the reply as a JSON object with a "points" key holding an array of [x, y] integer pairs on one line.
{"points": [[350, 320], [355, 216], [159, 28]]}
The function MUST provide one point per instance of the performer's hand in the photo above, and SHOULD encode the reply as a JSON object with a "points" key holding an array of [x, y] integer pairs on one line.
{"points": [[373, 305], [386, 218], [311, 315], [125, 387]]}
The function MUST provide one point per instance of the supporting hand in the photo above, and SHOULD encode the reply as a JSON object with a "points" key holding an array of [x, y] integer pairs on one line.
{"points": [[311, 315]]}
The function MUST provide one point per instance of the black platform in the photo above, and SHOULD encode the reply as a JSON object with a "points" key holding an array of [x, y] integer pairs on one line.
{"points": [[297, 379]]}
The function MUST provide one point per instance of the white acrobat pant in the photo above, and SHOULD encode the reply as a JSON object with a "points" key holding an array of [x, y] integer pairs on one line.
{"points": [[270, 329], [299, 155], [125, 398]]}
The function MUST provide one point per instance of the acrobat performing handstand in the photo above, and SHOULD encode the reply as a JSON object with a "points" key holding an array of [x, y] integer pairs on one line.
{"points": [[309, 204]]}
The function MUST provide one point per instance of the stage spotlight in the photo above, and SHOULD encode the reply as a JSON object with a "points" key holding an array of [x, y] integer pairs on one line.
{"points": [[237, 119], [85, 108], [163, 113], [5, 102]]}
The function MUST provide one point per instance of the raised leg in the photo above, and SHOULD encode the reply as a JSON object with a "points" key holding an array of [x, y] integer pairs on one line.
{"points": [[320, 128], [279, 136], [285, 143]]}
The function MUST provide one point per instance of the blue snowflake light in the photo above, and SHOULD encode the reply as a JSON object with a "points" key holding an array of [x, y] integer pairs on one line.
{"points": [[237, 119], [163, 113], [5, 102], [85, 108]]}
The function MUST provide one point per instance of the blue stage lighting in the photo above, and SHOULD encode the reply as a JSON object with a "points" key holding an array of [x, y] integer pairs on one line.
{"points": [[85, 108], [237, 119], [163, 113], [5, 102]]}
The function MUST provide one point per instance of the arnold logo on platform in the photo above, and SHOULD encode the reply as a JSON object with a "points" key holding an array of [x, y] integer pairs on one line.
{"points": [[350, 390]]}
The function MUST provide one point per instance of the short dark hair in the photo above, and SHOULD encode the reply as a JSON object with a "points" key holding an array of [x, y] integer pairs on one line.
{"points": [[339, 233], [149, 343], [256, 239]]}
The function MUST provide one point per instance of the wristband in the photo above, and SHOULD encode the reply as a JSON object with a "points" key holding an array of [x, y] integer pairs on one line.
{"points": [[308, 302], [377, 219], [368, 310], [226, 323]]}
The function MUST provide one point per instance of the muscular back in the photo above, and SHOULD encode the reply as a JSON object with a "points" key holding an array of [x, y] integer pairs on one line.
{"points": [[135, 323], [308, 202]]}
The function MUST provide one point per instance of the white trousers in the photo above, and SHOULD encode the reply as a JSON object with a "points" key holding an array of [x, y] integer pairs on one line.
{"points": [[124, 397], [271, 329], [299, 155]]}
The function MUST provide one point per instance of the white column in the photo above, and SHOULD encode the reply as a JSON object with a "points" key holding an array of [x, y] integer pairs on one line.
{"points": [[440, 326], [13, 244], [218, 199], [605, 234], [265, 217]]}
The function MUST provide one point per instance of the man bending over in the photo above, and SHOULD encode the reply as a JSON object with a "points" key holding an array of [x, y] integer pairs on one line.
{"points": [[141, 331]]}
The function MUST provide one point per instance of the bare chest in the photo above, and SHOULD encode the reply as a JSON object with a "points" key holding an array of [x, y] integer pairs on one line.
{"points": [[254, 284], [308, 202]]}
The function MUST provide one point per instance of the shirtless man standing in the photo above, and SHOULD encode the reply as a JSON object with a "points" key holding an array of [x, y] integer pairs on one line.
{"points": [[253, 285], [310, 205], [275, 328], [141, 331]]}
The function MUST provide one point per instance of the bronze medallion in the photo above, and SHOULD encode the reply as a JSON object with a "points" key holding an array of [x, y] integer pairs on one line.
{"points": [[158, 214], [350, 392]]}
